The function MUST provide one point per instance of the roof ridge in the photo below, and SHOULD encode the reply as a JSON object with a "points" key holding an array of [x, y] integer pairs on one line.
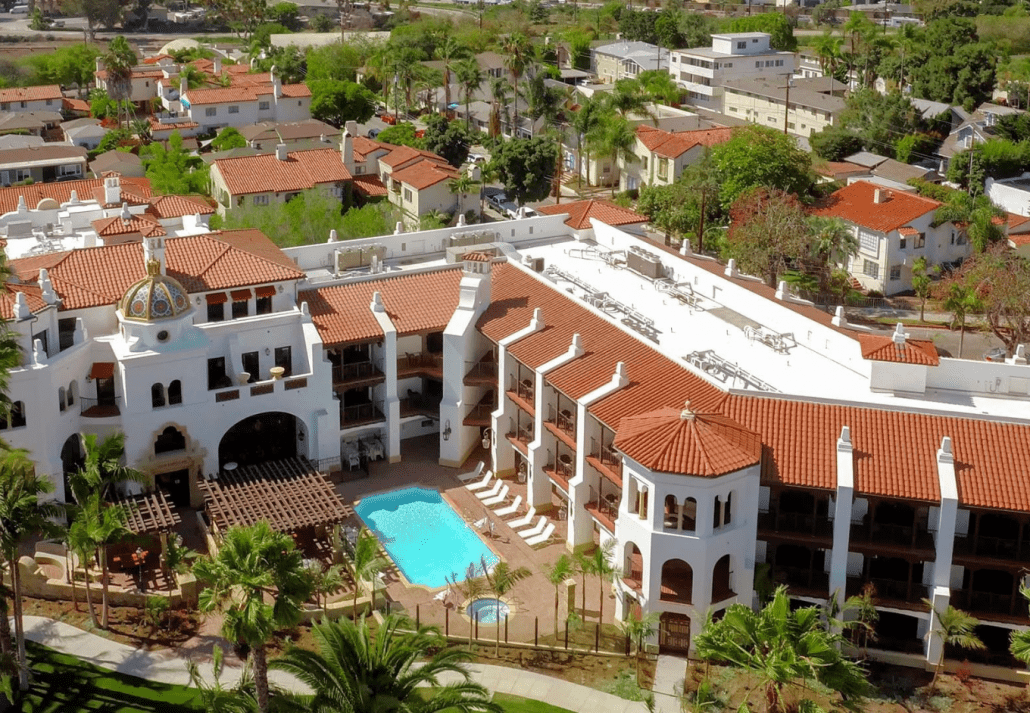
{"points": [[228, 246]]}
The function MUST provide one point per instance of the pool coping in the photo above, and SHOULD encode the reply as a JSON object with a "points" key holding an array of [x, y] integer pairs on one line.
{"points": [[450, 503]]}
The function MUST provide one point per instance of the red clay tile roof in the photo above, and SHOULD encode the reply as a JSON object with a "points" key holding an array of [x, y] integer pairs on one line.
{"points": [[178, 206], [156, 125], [241, 93], [95, 277], [415, 303], [580, 213], [266, 173], [854, 204], [8, 294], [29, 94], [144, 225], [72, 104], [878, 347], [679, 441], [400, 155], [907, 231], [368, 184], [424, 173], [671, 144], [61, 192]]}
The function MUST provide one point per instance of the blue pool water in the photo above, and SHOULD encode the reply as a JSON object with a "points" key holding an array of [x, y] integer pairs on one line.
{"points": [[488, 611], [426, 539]]}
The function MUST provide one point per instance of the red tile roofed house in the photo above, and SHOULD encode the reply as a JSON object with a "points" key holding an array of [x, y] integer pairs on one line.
{"points": [[580, 213], [134, 191], [275, 178], [38, 98], [145, 79], [661, 155], [264, 98], [893, 229], [1018, 233]]}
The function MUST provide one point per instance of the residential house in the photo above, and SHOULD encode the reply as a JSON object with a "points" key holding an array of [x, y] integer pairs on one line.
{"points": [[87, 133], [143, 80], [892, 229], [269, 134], [35, 123], [976, 129], [217, 107], [625, 60], [266, 179], [661, 156], [122, 163], [704, 71], [1010, 194], [807, 106], [38, 98], [41, 164]]}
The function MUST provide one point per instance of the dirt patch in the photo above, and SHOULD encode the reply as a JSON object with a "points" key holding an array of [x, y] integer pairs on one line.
{"points": [[127, 625]]}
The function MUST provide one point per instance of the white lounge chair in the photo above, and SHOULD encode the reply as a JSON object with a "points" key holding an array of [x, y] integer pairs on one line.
{"points": [[542, 537], [497, 499], [510, 509], [492, 492], [535, 530], [480, 484], [524, 521], [472, 475]]}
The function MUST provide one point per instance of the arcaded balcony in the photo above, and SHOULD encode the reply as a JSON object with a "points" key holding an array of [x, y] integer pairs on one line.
{"points": [[482, 372], [479, 415]]}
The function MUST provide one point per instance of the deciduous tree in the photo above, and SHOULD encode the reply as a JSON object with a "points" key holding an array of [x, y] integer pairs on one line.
{"points": [[526, 167], [758, 156], [449, 139], [336, 102], [769, 231]]}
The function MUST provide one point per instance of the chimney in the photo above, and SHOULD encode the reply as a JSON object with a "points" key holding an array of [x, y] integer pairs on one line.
{"points": [[351, 127], [839, 318], [280, 152], [333, 237], [377, 302], [125, 214], [277, 85], [731, 268], [46, 287], [348, 150], [899, 337], [100, 64], [576, 348], [461, 220], [22, 208], [154, 251], [21, 307], [112, 190], [74, 198], [399, 228], [217, 66], [844, 444]]}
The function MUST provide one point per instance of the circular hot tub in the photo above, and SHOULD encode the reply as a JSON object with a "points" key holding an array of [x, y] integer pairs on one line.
{"points": [[488, 611]]}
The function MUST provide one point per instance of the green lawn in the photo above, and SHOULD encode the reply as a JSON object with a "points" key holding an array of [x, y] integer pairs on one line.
{"points": [[517, 704], [65, 684]]}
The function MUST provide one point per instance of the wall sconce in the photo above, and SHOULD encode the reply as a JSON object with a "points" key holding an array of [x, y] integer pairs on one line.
{"points": [[267, 351], [488, 438], [447, 430]]}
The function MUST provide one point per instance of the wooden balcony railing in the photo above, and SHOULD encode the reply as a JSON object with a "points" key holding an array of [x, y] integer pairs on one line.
{"points": [[481, 372], [359, 414], [356, 372], [422, 363]]}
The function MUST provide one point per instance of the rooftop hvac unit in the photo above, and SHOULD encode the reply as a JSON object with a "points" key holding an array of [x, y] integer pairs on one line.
{"points": [[646, 263], [536, 264]]}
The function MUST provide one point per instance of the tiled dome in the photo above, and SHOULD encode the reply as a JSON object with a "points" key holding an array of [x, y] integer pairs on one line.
{"points": [[155, 297]]}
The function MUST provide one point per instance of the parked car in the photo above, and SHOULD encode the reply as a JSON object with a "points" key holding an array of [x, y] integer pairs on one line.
{"points": [[495, 197], [513, 211], [372, 133], [477, 158]]}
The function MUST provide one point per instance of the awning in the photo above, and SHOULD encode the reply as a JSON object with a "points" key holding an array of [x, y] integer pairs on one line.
{"points": [[265, 291], [217, 298], [240, 295], [102, 370]]}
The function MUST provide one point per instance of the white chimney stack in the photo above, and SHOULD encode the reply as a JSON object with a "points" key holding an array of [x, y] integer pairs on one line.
{"points": [[154, 249], [377, 302], [124, 213], [280, 152], [333, 236], [21, 307], [112, 190], [399, 228], [217, 64], [899, 337], [46, 287]]}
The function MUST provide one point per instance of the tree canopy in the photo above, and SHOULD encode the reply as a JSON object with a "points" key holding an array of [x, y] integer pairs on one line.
{"points": [[337, 101], [758, 156], [769, 231], [525, 167], [449, 139], [174, 170]]}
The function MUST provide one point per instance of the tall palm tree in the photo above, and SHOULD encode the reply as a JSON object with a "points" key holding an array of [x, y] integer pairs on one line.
{"points": [[961, 300], [447, 52], [517, 51], [365, 564], [956, 628], [254, 564], [600, 565], [863, 606], [639, 628], [782, 648], [469, 76], [461, 185], [592, 112], [499, 91], [80, 541], [616, 139], [23, 512], [118, 62], [97, 527], [501, 581], [102, 468], [193, 76], [361, 671], [560, 570], [630, 97]]}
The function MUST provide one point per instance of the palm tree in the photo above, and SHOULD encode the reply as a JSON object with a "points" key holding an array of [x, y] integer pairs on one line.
{"points": [[254, 563], [782, 648], [118, 62], [517, 49], [501, 581], [637, 629], [80, 541], [365, 564], [325, 579], [470, 76], [601, 567], [660, 87], [592, 112], [178, 558], [961, 300], [222, 699], [863, 605], [448, 51], [629, 97], [194, 77], [23, 513], [98, 526], [956, 628], [556, 574], [616, 139], [461, 185], [583, 564], [1019, 643], [390, 669], [499, 90], [102, 470]]}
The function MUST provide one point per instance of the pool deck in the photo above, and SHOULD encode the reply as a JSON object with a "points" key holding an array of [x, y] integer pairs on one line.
{"points": [[534, 595]]}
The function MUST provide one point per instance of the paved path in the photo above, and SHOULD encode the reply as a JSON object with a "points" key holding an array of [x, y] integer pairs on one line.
{"points": [[165, 667], [668, 683]]}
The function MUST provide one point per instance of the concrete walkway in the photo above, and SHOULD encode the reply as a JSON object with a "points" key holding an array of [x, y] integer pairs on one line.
{"points": [[165, 667], [668, 683]]}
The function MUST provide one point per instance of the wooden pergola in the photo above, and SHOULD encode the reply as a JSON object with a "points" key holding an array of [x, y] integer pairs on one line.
{"points": [[289, 495], [149, 513]]}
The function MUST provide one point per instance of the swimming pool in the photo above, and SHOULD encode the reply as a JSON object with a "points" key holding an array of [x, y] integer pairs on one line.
{"points": [[426, 539]]}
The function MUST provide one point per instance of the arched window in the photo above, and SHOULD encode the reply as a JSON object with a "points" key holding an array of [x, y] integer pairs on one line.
{"points": [[171, 439], [73, 391], [60, 399], [17, 414], [717, 513], [727, 511], [157, 395], [721, 577], [175, 393], [671, 511], [689, 515]]}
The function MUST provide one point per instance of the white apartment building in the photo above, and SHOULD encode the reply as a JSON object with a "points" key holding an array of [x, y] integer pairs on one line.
{"points": [[38, 98], [807, 106], [702, 71], [893, 228]]}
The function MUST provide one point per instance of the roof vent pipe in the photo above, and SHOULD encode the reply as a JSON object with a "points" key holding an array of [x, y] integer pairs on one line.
{"points": [[333, 237]]}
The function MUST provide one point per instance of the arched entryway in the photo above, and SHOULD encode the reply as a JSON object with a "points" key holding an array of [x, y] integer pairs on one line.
{"points": [[721, 588], [72, 458], [261, 438], [677, 582], [674, 633]]}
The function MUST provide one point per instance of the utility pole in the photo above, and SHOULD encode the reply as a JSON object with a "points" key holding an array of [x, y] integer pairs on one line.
{"points": [[786, 106]]}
